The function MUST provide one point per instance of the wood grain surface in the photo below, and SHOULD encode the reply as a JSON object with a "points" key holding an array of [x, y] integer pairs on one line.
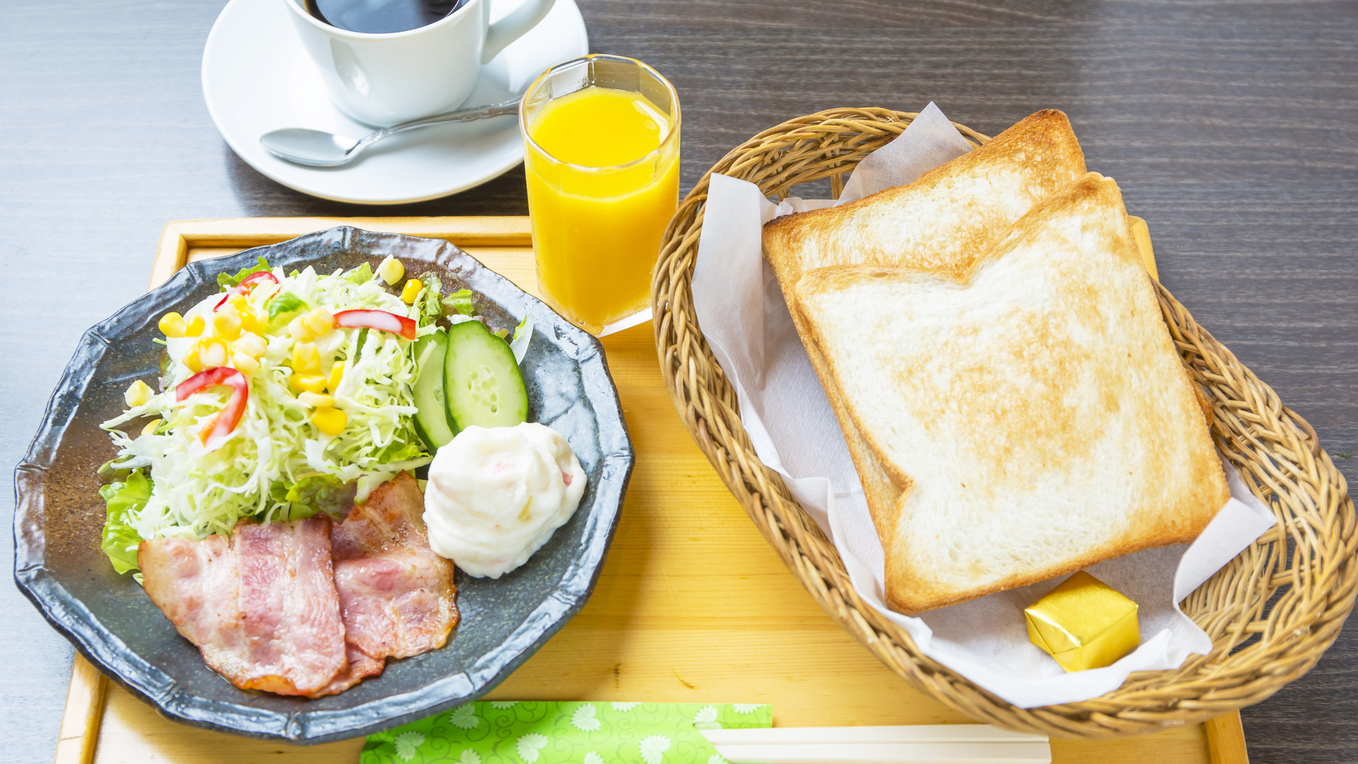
{"points": [[1232, 127]]}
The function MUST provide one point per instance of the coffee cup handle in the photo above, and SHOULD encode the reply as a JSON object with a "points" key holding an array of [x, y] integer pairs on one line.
{"points": [[512, 27]]}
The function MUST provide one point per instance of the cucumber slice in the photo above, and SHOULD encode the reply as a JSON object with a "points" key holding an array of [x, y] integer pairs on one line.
{"points": [[431, 410], [483, 383]]}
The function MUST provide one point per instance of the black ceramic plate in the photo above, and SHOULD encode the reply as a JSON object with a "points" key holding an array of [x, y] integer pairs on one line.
{"points": [[59, 515]]}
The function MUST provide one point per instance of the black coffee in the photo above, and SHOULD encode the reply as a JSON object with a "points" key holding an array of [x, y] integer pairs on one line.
{"points": [[381, 16]]}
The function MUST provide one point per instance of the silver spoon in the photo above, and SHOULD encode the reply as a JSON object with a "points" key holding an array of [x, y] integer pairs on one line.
{"points": [[316, 148]]}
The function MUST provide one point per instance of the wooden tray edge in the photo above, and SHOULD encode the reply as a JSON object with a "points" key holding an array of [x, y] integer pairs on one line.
{"points": [[83, 715], [180, 236]]}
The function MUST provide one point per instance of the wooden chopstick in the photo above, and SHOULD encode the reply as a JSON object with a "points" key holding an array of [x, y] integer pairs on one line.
{"points": [[915, 744]]}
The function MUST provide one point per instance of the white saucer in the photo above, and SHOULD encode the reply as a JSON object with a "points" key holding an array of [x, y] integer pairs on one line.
{"points": [[257, 78]]}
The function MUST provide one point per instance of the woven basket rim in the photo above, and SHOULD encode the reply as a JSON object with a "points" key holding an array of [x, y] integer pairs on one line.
{"points": [[1271, 612]]}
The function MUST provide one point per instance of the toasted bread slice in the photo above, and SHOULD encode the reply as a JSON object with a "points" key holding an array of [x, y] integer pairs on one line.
{"points": [[1033, 410], [944, 219]]}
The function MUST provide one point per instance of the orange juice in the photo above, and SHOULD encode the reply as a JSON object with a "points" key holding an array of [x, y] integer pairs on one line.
{"points": [[603, 182]]}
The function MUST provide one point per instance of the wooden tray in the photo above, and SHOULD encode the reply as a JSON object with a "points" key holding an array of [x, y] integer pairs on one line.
{"points": [[692, 605]]}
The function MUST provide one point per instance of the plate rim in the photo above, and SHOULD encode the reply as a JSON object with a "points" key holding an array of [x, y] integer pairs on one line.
{"points": [[100, 646]]}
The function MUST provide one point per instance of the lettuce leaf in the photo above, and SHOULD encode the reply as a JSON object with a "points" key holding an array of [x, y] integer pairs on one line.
{"points": [[360, 275], [461, 301], [523, 335], [430, 302], [120, 541], [285, 304], [360, 344], [404, 449], [314, 493], [228, 280]]}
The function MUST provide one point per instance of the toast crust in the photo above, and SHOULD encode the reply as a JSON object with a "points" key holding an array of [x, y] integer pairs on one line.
{"points": [[882, 485], [945, 218], [1063, 376], [960, 209]]}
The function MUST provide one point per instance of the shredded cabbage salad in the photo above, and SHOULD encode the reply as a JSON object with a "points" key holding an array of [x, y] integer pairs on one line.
{"points": [[277, 463]]}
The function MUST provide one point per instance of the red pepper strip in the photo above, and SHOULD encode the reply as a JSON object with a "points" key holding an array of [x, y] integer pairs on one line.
{"points": [[234, 409], [245, 285], [380, 320]]}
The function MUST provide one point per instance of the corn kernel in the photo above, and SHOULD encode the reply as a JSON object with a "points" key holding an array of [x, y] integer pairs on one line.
{"points": [[252, 321], [137, 394], [299, 331], [411, 291], [250, 344], [244, 362], [226, 324], [172, 325], [237, 301], [329, 421], [336, 376], [212, 353], [306, 359], [191, 360], [307, 383], [150, 427], [316, 400], [319, 322], [391, 270], [194, 328]]}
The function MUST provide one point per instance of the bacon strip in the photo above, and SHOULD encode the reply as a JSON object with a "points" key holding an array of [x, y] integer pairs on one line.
{"points": [[304, 607], [396, 594], [262, 608], [361, 665], [195, 584]]}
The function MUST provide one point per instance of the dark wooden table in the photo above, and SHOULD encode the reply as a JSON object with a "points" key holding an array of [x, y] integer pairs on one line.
{"points": [[1231, 127]]}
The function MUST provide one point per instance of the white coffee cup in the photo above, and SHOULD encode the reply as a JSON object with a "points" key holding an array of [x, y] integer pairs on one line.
{"points": [[385, 79]]}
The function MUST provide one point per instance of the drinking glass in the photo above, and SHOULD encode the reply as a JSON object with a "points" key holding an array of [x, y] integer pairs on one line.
{"points": [[597, 229]]}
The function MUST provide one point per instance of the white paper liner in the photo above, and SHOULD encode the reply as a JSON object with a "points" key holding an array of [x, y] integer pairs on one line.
{"points": [[794, 431]]}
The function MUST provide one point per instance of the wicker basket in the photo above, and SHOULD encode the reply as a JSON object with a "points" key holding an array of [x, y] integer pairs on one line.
{"points": [[1270, 613]]}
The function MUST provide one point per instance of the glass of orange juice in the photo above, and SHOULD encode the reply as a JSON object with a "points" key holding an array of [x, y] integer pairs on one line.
{"points": [[601, 152]]}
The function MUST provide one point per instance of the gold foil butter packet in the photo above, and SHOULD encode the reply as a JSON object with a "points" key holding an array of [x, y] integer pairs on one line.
{"points": [[1084, 623]]}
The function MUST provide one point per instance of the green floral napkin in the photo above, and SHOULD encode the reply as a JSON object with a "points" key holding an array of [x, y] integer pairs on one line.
{"points": [[542, 732]]}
